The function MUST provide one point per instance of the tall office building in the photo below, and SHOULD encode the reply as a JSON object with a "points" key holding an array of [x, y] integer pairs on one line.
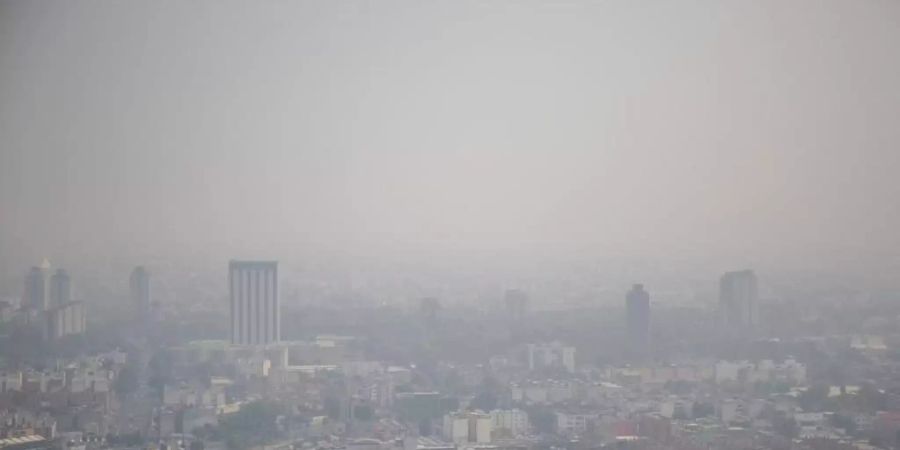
{"points": [[255, 308], [738, 299], [637, 307], [140, 291], [37, 289], [60, 288]]}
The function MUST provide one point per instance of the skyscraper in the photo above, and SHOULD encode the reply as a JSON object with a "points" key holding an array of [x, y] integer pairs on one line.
{"points": [[140, 291], [60, 289], [37, 288], [738, 299], [255, 308], [637, 307]]}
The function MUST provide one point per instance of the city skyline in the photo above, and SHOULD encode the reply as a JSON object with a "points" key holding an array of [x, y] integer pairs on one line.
{"points": [[449, 225], [368, 134]]}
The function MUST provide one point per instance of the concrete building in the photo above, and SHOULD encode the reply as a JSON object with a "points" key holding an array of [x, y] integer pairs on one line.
{"points": [[513, 421], [415, 406], [60, 288], [637, 307], [11, 381], [140, 291], [675, 407], [426, 443], [89, 379], [37, 289], [574, 423], [550, 356], [738, 300], [65, 320], [255, 307], [543, 392], [7, 310], [746, 372], [468, 427]]}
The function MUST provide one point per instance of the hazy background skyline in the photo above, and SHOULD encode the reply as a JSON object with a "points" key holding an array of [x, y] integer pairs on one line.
{"points": [[763, 133]]}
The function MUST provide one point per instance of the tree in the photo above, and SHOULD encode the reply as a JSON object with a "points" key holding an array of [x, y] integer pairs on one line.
{"points": [[453, 382], [484, 401], [542, 420], [126, 381], [871, 399], [425, 427], [839, 420], [363, 412], [814, 398], [160, 367], [206, 432], [128, 440], [702, 409], [332, 406], [253, 425], [785, 426]]}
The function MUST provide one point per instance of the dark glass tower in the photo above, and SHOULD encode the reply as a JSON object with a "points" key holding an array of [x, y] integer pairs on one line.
{"points": [[60, 288], [140, 292], [637, 306]]}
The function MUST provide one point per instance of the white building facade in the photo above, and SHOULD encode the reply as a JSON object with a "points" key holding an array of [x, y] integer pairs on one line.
{"points": [[255, 307]]}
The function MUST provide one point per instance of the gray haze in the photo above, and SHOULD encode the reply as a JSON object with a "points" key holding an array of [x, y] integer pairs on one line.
{"points": [[764, 132]]}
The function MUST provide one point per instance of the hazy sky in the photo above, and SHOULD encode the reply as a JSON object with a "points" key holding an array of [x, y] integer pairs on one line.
{"points": [[740, 130]]}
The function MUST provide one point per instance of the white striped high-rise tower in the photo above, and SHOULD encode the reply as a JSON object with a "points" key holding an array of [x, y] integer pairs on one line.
{"points": [[255, 308]]}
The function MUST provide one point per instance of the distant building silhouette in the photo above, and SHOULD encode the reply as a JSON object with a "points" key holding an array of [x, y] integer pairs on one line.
{"points": [[60, 288], [738, 300], [516, 304], [430, 307], [37, 289], [637, 307], [48, 300], [255, 308], [141, 295]]}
